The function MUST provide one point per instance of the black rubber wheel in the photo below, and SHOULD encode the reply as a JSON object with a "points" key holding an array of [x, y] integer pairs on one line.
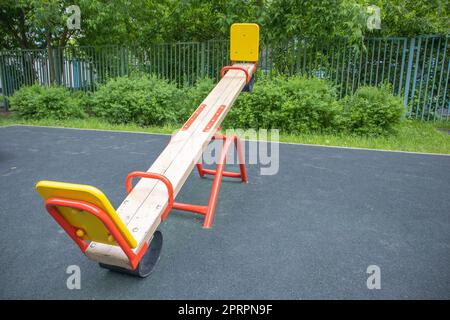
{"points": [[148, 261]]}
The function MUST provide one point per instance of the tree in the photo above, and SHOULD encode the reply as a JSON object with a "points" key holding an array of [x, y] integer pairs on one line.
{"points": [[323, 19], [29, 24], [14, 26], [42, 23], [413, 17], [199, 20]]}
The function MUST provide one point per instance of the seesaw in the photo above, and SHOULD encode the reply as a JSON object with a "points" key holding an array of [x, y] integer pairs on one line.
{"points": [[126, 239]]}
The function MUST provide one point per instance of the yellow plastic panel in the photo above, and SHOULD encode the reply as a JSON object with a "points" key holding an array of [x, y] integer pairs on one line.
{"points": [[244, 42], [93, 227]]}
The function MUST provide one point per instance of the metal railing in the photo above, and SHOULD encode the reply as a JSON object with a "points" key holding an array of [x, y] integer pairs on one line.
{"points": [[417, 68]]}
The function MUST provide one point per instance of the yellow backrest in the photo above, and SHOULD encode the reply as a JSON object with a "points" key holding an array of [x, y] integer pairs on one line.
{"points": [[244, 42], [93, 228]]}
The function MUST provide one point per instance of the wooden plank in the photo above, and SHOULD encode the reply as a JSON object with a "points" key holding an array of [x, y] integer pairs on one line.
{"points": [[142, 208]]}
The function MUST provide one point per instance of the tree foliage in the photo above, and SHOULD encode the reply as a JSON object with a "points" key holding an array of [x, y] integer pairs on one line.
{"points": [[413, 17], [321, 19], [42, 23]]}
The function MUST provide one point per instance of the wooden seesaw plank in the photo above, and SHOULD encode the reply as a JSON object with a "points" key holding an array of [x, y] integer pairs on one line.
{"points": [[142, 208]]}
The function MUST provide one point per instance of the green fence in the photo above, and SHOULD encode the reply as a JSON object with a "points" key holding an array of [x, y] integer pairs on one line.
{"points": [[84, 67], [416, 68]]}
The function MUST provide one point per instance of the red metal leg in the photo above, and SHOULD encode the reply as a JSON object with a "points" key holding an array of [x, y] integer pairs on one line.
{"points": [[200, 169], [216, 183], [243, 173], [190, 207], [218, 173], [241, 159]]}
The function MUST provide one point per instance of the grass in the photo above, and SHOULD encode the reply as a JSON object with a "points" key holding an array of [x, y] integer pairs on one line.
{"points": [[412, 135], [89, 123]]}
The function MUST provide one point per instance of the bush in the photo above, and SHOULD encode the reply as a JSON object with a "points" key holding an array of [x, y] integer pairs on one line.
{"points": [[296, 104], [144, 100], [193, 96], [38, 102], [371, 111], [84, 99], [292, 105]]}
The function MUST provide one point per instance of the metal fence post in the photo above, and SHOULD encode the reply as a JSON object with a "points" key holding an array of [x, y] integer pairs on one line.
{"points": [[436, 107], [202, 74], [408, 73], [3, 80]]}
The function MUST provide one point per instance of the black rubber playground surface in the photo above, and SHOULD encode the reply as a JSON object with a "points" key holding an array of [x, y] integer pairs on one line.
{"points": [[308, 232]]}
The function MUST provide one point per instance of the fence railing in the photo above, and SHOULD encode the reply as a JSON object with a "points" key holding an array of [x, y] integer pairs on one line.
{"points": [[416, 68]]}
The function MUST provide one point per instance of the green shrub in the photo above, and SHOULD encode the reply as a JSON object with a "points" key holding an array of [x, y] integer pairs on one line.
{"points": [[193, 96], [292, 105], [38, 102], [144, 100], [371, 111], [84, 99], [296, 104]]}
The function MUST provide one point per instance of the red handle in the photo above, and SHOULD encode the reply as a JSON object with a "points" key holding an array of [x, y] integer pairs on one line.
{"points": [[226, 68], [152, 175]]}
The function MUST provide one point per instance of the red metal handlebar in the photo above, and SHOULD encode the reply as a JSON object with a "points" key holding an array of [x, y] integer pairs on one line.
{"points": [[152, 175], [226, 68]]}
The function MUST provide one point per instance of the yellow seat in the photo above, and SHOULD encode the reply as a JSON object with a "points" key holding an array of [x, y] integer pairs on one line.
{"points": [[90, 227], [244, 42]]}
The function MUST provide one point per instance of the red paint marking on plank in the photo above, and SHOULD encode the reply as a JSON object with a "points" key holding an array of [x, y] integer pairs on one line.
{"points": [[214, 118], [193, 116]]}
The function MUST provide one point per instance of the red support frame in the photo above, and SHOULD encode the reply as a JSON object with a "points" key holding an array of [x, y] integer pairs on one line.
{"points": [[51, 206], [218, 173]]}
